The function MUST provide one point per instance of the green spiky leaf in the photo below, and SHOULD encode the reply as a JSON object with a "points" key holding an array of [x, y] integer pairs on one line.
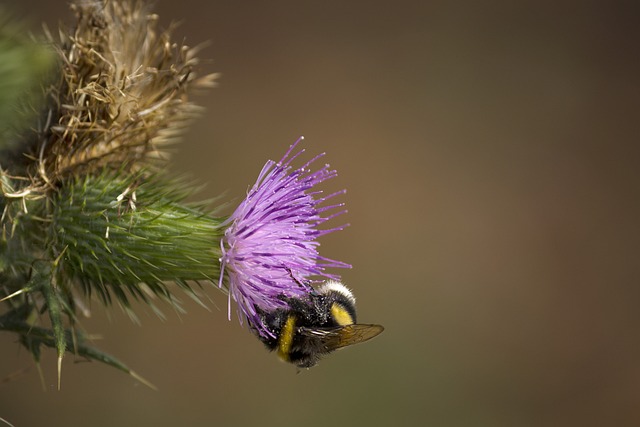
{"points": [[34, 337]]}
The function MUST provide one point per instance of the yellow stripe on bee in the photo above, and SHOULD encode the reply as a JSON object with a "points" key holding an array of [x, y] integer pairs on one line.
{"points": [[286, 338], [340, 315]]}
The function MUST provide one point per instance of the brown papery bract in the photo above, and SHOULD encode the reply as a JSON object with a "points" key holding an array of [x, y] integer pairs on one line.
{"points": [[122, 93]]}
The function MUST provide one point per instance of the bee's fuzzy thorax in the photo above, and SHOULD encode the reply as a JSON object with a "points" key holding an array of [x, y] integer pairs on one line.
{"points": [[338, 287]]}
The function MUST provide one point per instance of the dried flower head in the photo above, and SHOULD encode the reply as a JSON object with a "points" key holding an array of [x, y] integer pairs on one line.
{"points": [[122, 93], [270, 247]]}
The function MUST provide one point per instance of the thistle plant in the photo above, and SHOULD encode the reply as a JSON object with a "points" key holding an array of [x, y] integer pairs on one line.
{"points": [[86, 213]]}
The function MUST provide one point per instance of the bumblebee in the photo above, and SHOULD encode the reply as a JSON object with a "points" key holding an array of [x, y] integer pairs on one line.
{"points": [[318, 324]]}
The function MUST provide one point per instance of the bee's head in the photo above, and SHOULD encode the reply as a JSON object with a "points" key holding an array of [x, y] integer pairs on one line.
{"points": [[342, 303]]}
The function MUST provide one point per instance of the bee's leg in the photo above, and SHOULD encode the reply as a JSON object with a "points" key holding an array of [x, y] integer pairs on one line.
{"points": [[302, 285]]}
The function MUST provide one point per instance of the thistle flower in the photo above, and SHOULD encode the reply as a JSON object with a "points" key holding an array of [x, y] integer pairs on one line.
{"points": [[270, 247]]}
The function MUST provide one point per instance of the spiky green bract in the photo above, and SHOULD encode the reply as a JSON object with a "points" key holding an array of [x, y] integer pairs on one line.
{"points": [[116, 236], [121, 237]]}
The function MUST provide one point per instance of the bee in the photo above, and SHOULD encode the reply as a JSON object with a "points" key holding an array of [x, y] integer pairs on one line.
{"points": [[315, 325]]}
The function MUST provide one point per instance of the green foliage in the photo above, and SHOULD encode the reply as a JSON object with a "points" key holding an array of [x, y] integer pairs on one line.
{"points": [[34, 337], [24, 64]]}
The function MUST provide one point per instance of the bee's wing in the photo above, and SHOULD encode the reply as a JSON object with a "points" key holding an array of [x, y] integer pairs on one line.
{"points": [[342, 336]]}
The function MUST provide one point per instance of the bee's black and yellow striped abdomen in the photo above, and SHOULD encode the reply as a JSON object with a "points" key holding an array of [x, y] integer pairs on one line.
{"points": [[316, 325], [285, 338]]}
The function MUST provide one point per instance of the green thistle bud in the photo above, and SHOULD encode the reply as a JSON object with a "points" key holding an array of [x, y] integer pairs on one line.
{"points": [[112, 235]]}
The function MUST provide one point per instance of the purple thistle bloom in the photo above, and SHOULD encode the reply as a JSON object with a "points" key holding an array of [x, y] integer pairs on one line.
{"points": [[270, 248]]}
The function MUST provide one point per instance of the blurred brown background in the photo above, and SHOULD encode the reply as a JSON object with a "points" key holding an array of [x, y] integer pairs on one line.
{"points": [[491, 155]]}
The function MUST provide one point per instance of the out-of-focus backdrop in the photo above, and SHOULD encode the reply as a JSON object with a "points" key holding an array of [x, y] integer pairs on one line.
{"points": [[491, 152]]}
